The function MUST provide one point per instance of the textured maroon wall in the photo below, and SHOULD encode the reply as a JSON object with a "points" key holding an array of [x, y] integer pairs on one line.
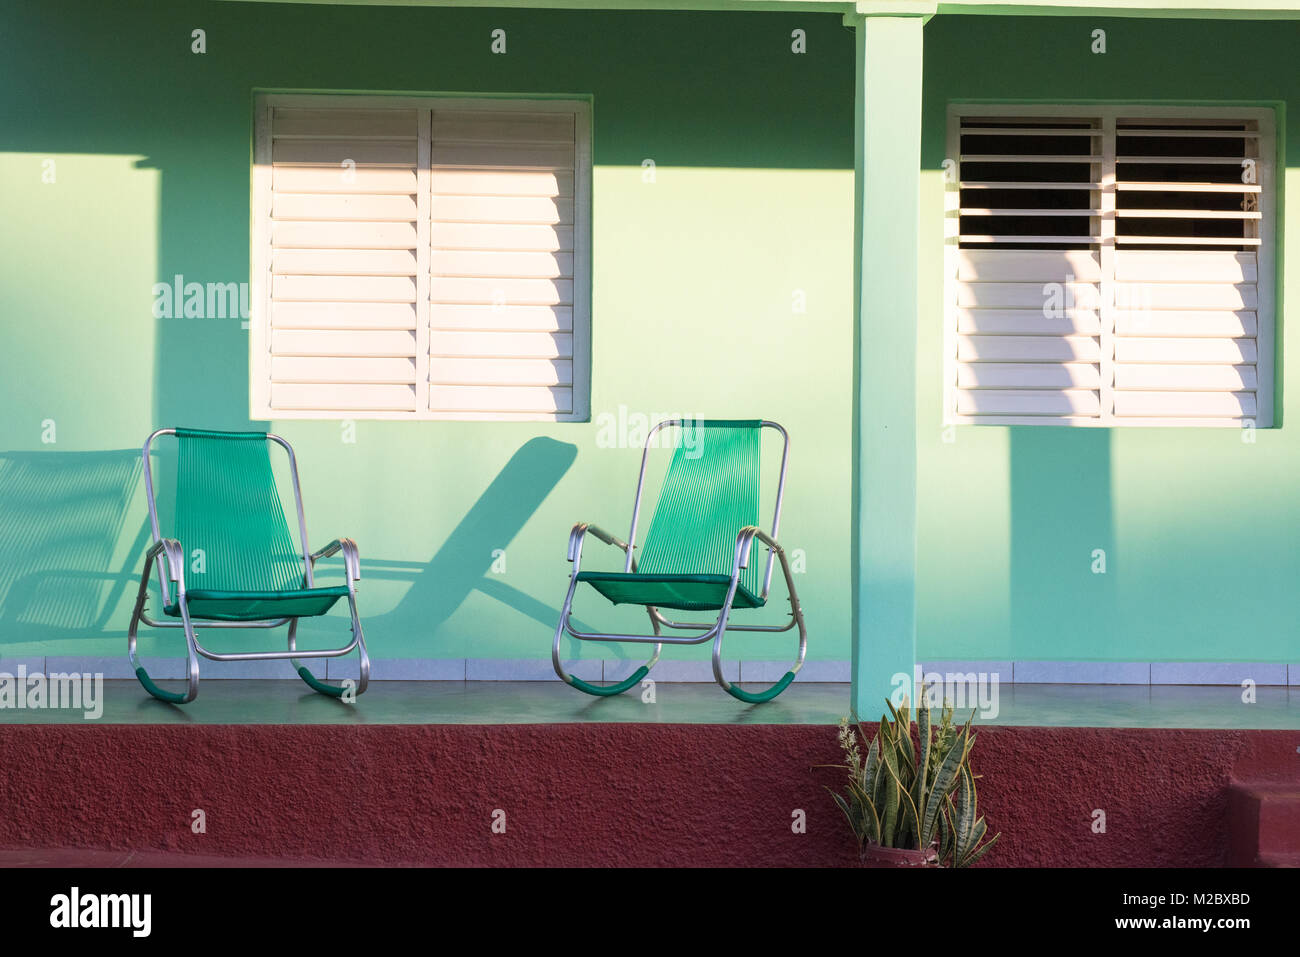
{"points": [[596, 794]]}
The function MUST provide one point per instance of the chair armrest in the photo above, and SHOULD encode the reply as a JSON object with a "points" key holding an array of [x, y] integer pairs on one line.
{"points": [[170, 568], [745, 540], [171, 550], [582, 529], [351, 556]]}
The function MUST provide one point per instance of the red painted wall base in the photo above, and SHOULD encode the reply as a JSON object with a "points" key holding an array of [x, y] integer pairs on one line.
{"points": [[603, 794]]}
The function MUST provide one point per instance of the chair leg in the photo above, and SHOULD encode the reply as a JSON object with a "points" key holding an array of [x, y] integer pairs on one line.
{"points": [[191, 651], [600, 691], [323, 687], [767, 694]]}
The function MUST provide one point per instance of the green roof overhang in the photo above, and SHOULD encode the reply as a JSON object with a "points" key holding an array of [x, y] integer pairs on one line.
{"points": [[1199, 9]]}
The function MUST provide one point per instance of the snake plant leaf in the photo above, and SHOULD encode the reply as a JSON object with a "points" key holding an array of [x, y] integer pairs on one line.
{"points": [[900, 715], [964, 801], [889, 814], [958, 850], [891, 798], [861, 802], [972, 851], [920, 781], [944, 780], [889, 807], [910, 826], [887, 735], [871, 767], [981, 851], [966, 852], [945, 833], [906, 755], [871, 822], [908, 831], [882, 747], [842, 803]]}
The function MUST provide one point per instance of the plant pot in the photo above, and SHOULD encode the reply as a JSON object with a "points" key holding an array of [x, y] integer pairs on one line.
{"points": [[873, 855]]}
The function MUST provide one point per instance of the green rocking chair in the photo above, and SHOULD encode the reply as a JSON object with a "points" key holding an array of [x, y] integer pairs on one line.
{"points": [[253, 575], [697, 554]]}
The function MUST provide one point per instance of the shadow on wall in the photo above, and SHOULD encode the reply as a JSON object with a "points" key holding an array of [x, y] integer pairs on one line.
{"points": [[1062, 535], [61, 518], [62, 515], [462, 565], [201, 358], [200, 163], [201, 377]]}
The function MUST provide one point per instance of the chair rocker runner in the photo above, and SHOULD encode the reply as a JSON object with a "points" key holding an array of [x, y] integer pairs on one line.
{"points": [[253, 575], [697, 553]]}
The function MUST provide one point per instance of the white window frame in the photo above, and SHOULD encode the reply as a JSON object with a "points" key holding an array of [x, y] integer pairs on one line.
{"points": [[260, 253], [1108, 112]]}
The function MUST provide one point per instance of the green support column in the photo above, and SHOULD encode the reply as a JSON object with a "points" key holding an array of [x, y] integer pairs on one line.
{"points": [[888, 157]]}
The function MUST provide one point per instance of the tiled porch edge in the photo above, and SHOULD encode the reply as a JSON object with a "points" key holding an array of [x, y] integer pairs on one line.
{"points": [[1019, 672], [1127, 672], [532, 669]]}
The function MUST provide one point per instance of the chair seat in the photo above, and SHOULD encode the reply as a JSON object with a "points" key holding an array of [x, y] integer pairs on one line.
{"points": [[683, 592], [214, 605]]}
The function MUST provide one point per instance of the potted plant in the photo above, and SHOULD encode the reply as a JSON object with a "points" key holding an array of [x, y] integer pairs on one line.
{"points": [[911, 807]]}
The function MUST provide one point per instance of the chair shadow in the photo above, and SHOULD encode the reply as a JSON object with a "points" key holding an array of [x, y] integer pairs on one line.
{"points": [[463, 564], [62, 515]]}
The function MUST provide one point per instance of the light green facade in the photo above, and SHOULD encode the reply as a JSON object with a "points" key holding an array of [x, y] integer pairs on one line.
{"points": [[722, 288], [1200, 528], [725, 287]]}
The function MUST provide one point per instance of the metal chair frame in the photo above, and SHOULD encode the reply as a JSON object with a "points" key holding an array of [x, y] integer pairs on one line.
{"points": [[173, 569], [745, 538]]}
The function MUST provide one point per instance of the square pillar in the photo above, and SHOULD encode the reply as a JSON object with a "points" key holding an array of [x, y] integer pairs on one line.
{"points": [[887, 137]]}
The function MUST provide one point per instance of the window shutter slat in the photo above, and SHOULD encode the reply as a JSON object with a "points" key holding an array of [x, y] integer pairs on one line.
{"points": [[502, 264], [343, 315], [1044, 402], [503, 399], [1153, 228], [421, 257], [454, 317], [344, 260], [1011, 337], [1185, 404], [340, 398], [1187, 343], [318, 234]]}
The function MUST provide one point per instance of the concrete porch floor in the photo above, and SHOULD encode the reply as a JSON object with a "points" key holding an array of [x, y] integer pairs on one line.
{"points": [[244, 701]]}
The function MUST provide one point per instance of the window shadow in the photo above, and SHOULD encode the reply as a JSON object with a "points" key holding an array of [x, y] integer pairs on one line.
{"points": [[1062, 516]]}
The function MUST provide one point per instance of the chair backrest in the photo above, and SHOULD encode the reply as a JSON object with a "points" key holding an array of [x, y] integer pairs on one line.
{"points": [[710, 493], [227, 504]]}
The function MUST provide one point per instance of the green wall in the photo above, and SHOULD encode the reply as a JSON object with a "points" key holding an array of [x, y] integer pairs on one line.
{"points": [[693, 283], [1200, 530], [694, 280]]}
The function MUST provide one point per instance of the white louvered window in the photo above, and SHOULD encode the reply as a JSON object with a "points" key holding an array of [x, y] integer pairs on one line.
{"points": [[420, 258], [1110, 266]]}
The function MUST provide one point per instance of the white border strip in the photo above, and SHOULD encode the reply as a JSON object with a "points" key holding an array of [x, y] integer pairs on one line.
{"points": [[1163, 673]]}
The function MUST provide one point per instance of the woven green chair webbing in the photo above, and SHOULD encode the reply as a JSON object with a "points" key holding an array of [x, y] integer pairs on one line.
{"points": [[709, 494], [227, 505]]}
